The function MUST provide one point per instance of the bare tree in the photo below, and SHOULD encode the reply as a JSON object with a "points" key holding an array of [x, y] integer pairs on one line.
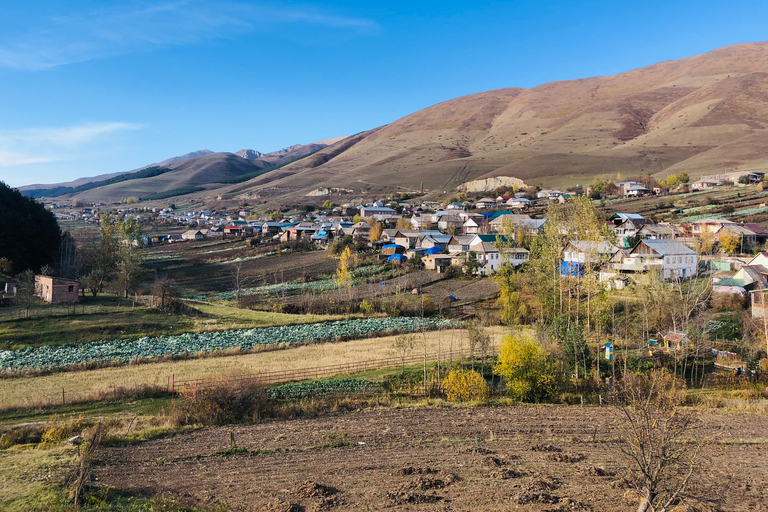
{"points": [[402, 346], [25, 290], [661, 441], [239, 281], [86, 452], [165, 288]]}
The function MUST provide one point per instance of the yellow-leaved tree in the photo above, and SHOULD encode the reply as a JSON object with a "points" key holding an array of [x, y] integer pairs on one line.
{"points": [[343, 276], [730, 242], [376, 231], [530, 372], [465, 385]]}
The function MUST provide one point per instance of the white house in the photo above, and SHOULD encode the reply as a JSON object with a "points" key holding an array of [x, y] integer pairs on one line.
{"points": [[192, 234], [486, 202], [519, 202], [670, 257]]}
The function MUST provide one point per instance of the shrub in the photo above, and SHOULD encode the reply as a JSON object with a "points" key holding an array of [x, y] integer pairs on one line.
{"points": [[530, 372], [229, 402], [465, 385], [58, 431]]}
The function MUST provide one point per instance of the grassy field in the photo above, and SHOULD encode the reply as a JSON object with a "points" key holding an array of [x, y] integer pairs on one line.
{"points": [[108, 318], [83, 385]]}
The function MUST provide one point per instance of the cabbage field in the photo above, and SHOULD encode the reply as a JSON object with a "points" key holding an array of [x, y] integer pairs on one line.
{"points": [[123, 351], [321, 388]]}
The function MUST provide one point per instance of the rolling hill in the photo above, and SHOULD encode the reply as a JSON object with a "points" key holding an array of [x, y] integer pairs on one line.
{"points": [[704, 114], [199, 170]]}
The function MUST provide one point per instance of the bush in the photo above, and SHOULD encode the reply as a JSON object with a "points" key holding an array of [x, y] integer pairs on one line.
{"points": [[222, 404], [464, 386], [530, 372]]}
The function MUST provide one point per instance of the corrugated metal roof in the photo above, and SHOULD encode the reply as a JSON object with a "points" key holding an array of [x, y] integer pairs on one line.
{"points": [[668, 247]]}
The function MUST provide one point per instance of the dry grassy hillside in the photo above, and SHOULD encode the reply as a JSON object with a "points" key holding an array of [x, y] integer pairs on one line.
{"points": [[702, 114]]}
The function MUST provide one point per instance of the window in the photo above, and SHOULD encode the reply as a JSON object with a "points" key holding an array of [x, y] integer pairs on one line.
{"points": [[71, 288]]}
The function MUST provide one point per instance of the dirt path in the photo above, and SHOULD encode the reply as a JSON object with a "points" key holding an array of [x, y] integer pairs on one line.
{"points": [[502, 458]]}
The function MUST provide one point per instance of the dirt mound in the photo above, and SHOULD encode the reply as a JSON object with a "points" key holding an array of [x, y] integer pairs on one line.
{"points": [[280, 505], [506, 474], [423, 484], [528, 497], [566, 457], [622, 483], [411, 470], [568, 505], [412, 498], [597, 471], [493, 461], [545, 448], [312, 489]]}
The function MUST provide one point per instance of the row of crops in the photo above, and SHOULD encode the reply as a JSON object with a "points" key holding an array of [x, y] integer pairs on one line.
{"points": [[123, 351], [322, 388]]}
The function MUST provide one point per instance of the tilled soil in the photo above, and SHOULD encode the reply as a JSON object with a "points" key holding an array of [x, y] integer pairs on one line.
{"points": [[539, 458]]}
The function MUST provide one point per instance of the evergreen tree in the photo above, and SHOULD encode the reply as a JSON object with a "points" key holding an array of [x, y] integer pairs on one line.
{"points": [[29, 234]]}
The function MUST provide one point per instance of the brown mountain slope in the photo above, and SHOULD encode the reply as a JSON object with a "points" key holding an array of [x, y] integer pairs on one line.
{"points": [[702, 114]]}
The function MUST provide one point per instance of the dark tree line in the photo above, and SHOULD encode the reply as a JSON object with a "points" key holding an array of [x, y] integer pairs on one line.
{"points": [[29, 234]]}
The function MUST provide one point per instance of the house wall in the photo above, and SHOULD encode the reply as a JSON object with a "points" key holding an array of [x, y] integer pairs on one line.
{"points": [[55, 290]]}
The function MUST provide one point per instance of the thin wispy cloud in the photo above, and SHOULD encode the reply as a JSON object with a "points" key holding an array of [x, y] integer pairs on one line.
{"points": [[51, 144], [8, 159], [135, 27]]}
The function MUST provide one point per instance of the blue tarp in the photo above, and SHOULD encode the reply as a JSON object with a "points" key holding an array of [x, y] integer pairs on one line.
{"points": [[572, 268], [397, 257], [434, 250]]}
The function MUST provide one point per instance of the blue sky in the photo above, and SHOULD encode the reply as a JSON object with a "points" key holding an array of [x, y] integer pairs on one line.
{"points": [[91, 87]]}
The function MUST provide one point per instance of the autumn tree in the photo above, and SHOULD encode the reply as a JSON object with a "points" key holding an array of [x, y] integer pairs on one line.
{"points": [[729, 241], [376, 231], [403, 224], [530, 372]]}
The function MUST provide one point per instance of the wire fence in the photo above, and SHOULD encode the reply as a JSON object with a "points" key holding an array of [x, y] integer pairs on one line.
{"points": [[319, 372]]}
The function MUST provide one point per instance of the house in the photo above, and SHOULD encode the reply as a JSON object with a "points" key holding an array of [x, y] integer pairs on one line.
{"points": [[434, 239], [673, 340], [520, 203], [378, 212], [488, 256], [408, 238], [549, 194], [233, 230], [455, 206], [579, 254], [460, 243], [747, 238], [658, 232], [476, 224], [55, 290], [761, 235], [705, 184], [449, 222], [669, 257], [637, 191], [623, 186], [625, 226], [193, 234], [440, 262], [512, 220], [423, 221], [486, 202]]}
